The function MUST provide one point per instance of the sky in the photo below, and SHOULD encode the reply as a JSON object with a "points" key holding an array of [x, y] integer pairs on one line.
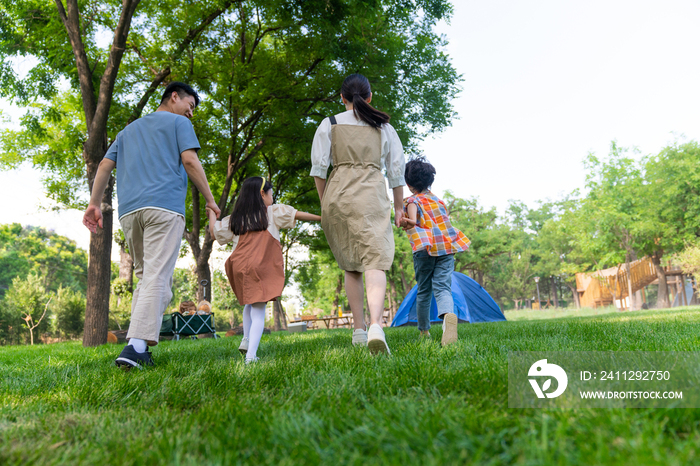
{"points": [[545, 83]]}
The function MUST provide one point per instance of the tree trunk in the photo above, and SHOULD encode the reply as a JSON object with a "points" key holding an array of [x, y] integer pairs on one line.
{"points": [[404, 282], [203, 273], [630, 295], [336, 298], [99, 273], [662, 300], [694, 297], [574, 292], [638, 295], [96, 108], [553, 288], [393, 299], [683, 293], [280, 317], [201, 252]]}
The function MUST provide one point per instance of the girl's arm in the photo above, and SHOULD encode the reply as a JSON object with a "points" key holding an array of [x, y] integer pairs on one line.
{"points": [[409, 221], [307, 217]]}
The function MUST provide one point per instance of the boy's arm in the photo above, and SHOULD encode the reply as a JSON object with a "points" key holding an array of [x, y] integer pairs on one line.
{"points": [[409, 221], [307, 217]]}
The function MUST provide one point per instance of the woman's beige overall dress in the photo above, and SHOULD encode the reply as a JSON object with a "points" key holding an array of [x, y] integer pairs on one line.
{"points": [[356, 212]]}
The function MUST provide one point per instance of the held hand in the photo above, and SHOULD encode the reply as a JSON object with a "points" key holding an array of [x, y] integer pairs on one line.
{"points": [[398, 217], [92, 218], [407, 224], [211, 205]]}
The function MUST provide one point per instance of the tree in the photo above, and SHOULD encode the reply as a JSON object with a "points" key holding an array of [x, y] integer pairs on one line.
{"points": [[272, 71], [614, 204], [93, 72], [560, 244], [269, 69], [36, 30], [57, 259], [28, 300], [489, 238], [671, 195]]}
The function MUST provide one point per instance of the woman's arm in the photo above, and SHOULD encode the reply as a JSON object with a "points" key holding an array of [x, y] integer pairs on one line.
{"points": [[321, 155], [307, 217], [398, 205], [320, 186]]}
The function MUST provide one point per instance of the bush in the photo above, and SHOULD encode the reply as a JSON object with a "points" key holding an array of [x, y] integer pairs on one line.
{"points": [[119, 311], [26, 297], [690, 260], [69, 308]]}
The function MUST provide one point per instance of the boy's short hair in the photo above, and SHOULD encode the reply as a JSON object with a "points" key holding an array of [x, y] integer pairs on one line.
{"points": [[182, 90], [419, 173]]}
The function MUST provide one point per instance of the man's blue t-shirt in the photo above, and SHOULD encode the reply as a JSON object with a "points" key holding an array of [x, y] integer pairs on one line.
{"points": [[149, 168]]}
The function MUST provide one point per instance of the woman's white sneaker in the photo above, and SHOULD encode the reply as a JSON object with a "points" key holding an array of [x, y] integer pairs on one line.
{"points": [[376, 341], [359, 337]]}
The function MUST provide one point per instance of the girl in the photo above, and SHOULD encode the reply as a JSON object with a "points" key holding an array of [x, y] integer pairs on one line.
{"points": [[354, 203], [255, 268], [434, 242]]}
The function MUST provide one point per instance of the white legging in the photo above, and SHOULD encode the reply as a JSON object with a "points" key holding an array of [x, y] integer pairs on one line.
{"points": [[253, 326]]}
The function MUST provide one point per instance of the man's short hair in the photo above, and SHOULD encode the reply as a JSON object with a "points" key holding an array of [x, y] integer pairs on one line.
{"points": [[182, 90]]}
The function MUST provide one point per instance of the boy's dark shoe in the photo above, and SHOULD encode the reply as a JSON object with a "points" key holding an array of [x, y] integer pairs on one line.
{"points": [[130, 358]]}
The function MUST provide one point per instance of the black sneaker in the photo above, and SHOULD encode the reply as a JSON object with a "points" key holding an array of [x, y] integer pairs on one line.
{"points": [[130, 358]]}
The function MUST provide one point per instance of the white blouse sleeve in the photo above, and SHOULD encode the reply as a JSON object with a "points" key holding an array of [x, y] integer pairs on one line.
{"points": [[222, 231], [321, 150], [395, 161], [283, 216]]}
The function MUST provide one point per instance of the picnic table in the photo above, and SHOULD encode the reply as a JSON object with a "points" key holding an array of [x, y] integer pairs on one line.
{"points": [[329, 321]]}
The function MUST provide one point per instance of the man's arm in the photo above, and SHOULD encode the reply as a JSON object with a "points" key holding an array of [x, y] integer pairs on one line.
{"points": [[212, 220], [93, 214], [194, 170]]}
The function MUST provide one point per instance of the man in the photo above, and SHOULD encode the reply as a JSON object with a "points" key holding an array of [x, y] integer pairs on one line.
{"points": [[153, 156]]}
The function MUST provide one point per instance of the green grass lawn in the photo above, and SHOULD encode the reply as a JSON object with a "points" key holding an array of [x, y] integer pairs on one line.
{"points": [[529, 314], [314, 399]]}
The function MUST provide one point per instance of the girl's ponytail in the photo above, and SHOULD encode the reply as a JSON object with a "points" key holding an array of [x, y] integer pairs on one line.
{"points": [[356, 89]]}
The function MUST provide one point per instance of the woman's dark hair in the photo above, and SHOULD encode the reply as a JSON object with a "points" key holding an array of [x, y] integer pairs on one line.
{"points": [[182, 90], [356, 89], [419, 174], [249, 211]]}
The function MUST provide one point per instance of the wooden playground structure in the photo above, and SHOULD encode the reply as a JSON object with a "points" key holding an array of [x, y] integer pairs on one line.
{"points": [[611, 286]]}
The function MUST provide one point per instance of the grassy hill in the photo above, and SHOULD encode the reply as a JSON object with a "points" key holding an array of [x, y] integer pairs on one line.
{"points": [[314, 399]]}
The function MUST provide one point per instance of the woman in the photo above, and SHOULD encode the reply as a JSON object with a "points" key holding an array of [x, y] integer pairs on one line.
{"points": [[355, 208]]}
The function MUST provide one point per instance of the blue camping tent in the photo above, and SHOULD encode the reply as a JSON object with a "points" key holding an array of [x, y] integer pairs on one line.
{"points": [[472, 304]]}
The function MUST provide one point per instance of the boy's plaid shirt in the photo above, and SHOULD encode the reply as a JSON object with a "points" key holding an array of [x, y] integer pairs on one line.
{"points": [[433, 230]]}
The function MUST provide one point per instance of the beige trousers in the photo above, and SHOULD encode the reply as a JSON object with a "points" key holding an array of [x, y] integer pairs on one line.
{"points": [[153, 237]]}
